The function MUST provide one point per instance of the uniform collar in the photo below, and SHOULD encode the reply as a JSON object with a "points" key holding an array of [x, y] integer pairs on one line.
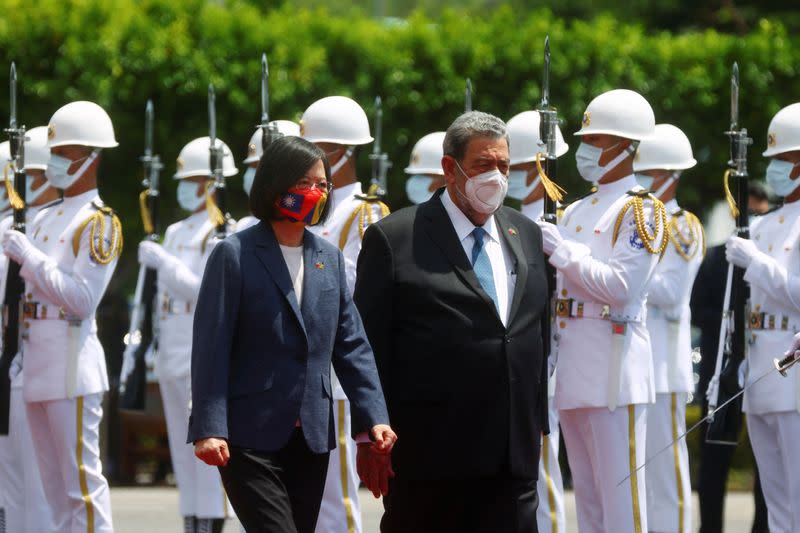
{"points": [[619, 187], [340, 194], [462, 224]]}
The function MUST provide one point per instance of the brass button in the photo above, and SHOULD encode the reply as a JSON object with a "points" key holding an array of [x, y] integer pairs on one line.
{"points": [[780, 219], [563, 292], [578, 228], [29, 296], [45, 238], [26, 324], [594, 201], [562, 324], [769, 248], [59, 212]]}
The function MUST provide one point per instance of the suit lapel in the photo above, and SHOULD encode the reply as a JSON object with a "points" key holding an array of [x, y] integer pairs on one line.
{"points": [[441, 230], [510, 235], [314, 261], [269, 253]]}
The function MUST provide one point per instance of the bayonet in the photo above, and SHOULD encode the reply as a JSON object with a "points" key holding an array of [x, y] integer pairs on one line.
{"points": [[212, 116], [264, 91], [380, 159], [468, 96], [12, 122]]}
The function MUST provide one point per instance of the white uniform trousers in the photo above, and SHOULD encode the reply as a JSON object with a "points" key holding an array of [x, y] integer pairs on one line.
{"points": [[669, 490], [603, 447], [67, 443], [21, 490], [774, 438], [550, 487], [199, 486], [340, 512]]}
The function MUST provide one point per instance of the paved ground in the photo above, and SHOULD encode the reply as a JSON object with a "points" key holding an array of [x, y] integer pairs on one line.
{"points": [[155, 510]]}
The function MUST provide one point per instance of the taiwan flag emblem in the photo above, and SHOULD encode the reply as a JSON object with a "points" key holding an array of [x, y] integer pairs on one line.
{"points": [[303, 205]]}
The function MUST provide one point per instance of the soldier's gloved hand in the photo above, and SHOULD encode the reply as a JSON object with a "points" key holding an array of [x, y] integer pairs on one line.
{"points": [[795, 348], [742, 252], [551, 236], [712, 392], [18, 247], [152, 254]]}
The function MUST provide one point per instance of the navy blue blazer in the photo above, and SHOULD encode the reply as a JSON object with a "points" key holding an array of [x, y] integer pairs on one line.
{"points": [[261, 361]]}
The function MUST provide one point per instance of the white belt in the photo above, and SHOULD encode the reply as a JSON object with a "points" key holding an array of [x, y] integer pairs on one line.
{"points": [[176, 307], [570, 308], [767, 321]]}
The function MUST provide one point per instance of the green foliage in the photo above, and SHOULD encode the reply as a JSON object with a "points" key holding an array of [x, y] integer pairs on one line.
{"points": [[120, 52]]}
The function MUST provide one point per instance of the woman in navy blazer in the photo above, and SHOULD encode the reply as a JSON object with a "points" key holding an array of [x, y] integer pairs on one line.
{"points": [[273, 313]]}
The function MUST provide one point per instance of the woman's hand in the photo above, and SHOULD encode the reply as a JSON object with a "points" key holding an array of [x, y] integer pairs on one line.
{"points": [[383, 439], [212, 451]]}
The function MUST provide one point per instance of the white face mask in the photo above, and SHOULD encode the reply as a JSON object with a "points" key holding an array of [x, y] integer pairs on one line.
{"points": [[778, 177], [340, 163], [417, 188], [588, 159], [187, 195], [30, 195], [485, 192], [58, 167], [247, 179], [517, 184]]}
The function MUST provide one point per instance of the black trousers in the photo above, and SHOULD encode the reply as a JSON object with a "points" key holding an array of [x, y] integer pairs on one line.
{"points": [[482, 505], [276, 492]]}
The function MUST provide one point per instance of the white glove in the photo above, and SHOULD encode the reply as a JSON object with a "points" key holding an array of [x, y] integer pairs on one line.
{"points": [[17, 246], [741, 252], [795, 348], [744, 368], [152, 254], [551, 236]]}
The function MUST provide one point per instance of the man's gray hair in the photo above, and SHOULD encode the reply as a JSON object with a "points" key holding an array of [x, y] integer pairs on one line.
{"points": [[468, 126]]}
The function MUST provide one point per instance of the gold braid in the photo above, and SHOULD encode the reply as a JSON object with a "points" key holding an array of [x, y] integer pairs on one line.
{"points": [[696, 234], [637, 205], [365, 218], [97, 231]]}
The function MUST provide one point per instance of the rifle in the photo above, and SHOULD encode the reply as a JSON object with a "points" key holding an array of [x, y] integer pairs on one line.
{"points": [[215, 152], [726, 424], [468, 96], [15, 286], [142, 334], [380, 160], [269, 132], [547, 133]]}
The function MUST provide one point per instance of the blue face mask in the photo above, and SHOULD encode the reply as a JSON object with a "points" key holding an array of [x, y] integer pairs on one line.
{"points": [[645, 181], [247, 180], [518, 187], [778, 179], [417, 188]]}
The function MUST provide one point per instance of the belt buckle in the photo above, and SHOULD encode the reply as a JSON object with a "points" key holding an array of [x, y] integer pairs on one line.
{"points": [[756, 320], [564, 307], [30, 310], [605, 312]]}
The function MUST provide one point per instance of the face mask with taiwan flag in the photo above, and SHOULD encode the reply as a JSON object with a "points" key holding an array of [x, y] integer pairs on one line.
{"points": [[303, 205]]}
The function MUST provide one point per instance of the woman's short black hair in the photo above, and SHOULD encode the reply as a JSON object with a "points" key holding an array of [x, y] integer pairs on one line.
{"points": [[285, 161]]}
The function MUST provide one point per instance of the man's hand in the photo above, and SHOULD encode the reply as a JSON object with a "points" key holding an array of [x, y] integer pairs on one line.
{"points": [[152, 254], [16, 245], [795, 348], [212, 451], [374, 468], [383, 439], [742, 252], [551, 236]]}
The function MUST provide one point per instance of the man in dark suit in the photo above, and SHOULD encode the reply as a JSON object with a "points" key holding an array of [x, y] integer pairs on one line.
{"points": [[452, 293]]}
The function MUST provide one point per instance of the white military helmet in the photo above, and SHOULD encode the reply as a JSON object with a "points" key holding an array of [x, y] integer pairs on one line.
{"points": [[5, 155], [524, 140], [426, 157], [81, 123], [194, 160], [784, 131], [36, 151], [667, 149], [255, 148], [335, 119], [619, 112]]}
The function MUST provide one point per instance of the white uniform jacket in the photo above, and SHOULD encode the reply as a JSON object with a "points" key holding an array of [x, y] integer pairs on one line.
{"points": [[668, 314], [602, 284], [62, 355], [775, 310], [189, 241]]}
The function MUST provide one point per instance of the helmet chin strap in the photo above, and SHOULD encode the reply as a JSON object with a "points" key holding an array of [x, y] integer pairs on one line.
{"points": [[666, 185], [340, 163]]}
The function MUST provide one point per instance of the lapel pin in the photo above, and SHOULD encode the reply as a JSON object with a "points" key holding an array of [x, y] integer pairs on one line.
{"points": [[512, 231], [319, 265]]}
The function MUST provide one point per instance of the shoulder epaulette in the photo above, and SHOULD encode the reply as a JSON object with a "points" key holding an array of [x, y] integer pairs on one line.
{"points": [[362, 212], [687, 245], [96, 222], [636, 204]]}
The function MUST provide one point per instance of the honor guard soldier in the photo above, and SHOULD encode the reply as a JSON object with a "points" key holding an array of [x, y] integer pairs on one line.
{"points": [[606, 249], [180, 262], [524, 184], [658, 165], [338, 125], [67, 260], [772, 261], [21, 488], [255, 148], [425, 168]]}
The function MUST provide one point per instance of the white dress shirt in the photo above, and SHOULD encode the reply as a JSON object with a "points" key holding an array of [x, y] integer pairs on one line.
{"points": [[499, 254], [293, 256]]}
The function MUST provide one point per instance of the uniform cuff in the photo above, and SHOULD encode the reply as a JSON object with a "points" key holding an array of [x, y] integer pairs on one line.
{"points": [[363, 438]]}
